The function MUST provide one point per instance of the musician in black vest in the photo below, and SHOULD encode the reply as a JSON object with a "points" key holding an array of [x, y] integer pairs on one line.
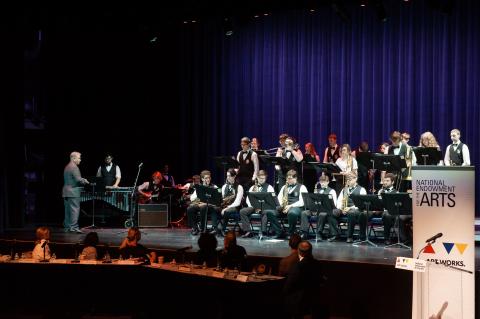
{"points": [[320, 188], [248, 160], [110, 172], [457, 153], [332, 151], [291, 204], [406, 152], [387, 219], [261, 187], [347, 207], [197, 207], [168, 180], [232, 194], [294, 158]]}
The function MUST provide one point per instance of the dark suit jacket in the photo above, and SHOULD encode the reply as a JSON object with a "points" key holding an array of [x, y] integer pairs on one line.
{"points": [[72, 180], [304, 288], [287, 263]]}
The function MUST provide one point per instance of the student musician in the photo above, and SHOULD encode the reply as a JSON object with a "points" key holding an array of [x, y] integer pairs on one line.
{"points": [[110, 172], [320, 188], [346, 162], [457, 153], [232, 195], [197, 207], [309, 172], [255, 144], [427, 139], [293, 155], [387, 219], [168, 180], [151, 192], [291, 204], [346, 206], [260, 186], [279, 176], [332, 152], [248, 160], [405, 151]]}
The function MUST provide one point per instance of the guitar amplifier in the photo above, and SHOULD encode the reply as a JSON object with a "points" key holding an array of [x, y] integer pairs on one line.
{"points": [[153, 215]]}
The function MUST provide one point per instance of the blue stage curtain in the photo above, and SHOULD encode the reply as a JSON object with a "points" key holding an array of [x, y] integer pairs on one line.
{"points": [[309, 74]]}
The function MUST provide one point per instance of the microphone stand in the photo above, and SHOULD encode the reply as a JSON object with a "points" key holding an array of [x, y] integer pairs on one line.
{"points": [[129, 222], [44, 246]]}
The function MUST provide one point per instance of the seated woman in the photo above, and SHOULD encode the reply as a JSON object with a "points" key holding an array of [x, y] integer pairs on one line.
{"points": [[131, 248], [41, 250], [232, 255], [208, 250], [90, 243]]}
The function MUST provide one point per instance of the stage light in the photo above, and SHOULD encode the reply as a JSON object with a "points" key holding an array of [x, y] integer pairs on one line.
{"points": [[363, 3], [228, 26]]}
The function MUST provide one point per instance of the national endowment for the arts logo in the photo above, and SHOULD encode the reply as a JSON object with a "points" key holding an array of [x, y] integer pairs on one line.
{"points": [[434, 193]]}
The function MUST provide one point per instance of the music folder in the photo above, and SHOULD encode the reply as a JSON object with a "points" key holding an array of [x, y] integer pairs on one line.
{"points": [[397, 203], [263, 200], [373, 201], [209, 195], [318, 202]]}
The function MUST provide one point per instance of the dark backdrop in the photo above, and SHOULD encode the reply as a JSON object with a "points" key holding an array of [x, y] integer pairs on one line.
{"points": [[155, 90]]}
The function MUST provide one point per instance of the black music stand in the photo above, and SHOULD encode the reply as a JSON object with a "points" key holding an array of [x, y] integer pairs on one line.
{"points": [[210, 196], [368, 203], [397, 204], [390, 163], [274, 160], [333, 170], [226, 162], [430, 155], [170, 192], [263, 201], [98, 186], [317, 203]]}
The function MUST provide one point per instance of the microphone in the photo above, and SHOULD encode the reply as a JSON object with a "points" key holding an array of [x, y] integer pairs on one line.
{"points": [[140, 165], [44, 244], [434, 237]]}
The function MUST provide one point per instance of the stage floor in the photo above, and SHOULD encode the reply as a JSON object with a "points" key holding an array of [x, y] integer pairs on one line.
{"points": [[177, 238]]}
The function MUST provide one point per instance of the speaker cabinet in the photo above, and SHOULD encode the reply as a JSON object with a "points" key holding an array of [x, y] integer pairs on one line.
{"points": [[153, 215]]}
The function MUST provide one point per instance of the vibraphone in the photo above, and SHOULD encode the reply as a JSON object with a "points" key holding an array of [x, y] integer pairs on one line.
{"points": [[118, 197]]}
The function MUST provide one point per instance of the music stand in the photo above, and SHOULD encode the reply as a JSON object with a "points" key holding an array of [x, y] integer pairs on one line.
{"points": [[98, 186], [263, 201], [274, 160], [397, 204], [226, 162], [368, 203], [430, 155], [170, 191], [390, 163], [210, 196], [318, 202]]}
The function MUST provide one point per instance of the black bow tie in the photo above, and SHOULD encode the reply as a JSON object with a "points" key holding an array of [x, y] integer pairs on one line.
{"points": [[332, 147], [244, 152], [455, 144]]}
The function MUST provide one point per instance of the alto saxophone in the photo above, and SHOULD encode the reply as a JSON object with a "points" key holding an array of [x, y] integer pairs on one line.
{"points": [[285, 198], [255, 186], [345, 199]]}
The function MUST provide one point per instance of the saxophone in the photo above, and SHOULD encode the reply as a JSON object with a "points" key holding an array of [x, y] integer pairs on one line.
{"points": [[345, 199], [408, 160], [315, 189], [284, 202], [255, 186], [227, 200]]}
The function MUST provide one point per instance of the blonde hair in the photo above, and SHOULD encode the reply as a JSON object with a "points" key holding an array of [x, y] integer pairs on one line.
{"points": [[427, 139], [455, 130]]}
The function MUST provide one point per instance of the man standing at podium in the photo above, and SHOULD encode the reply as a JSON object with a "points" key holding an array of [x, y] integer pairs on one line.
{"points": [[109, 172], [248, 160], [72, 180]]}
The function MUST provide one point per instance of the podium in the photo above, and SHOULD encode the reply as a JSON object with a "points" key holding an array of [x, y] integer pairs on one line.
{"points": [[368, 203], [428, 155], [318, 203], [397, 204]]}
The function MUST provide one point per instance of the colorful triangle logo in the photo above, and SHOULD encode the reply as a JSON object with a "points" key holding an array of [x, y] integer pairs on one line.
{"points": [[448, 247], [429, 250], [461, 247]]}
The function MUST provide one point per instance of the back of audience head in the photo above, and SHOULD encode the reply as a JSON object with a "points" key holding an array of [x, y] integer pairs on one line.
{"points": [[91, 240], [42, 233], [207, 242], [230, 239], [305, 249], [294, 241]]}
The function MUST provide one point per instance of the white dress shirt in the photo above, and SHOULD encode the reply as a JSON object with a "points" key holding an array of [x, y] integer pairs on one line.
{"points": [[340, 197], [238, 197], [250, 190], [465, 154], [108, 168], [298, 203], [343, 164]]}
